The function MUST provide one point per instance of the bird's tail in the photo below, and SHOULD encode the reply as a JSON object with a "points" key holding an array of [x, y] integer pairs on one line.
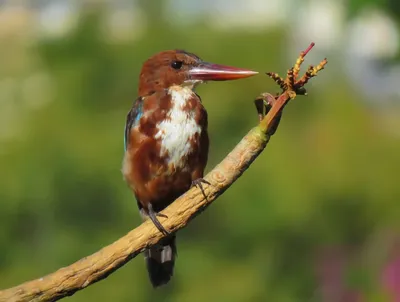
{"points": [[160, 261]]}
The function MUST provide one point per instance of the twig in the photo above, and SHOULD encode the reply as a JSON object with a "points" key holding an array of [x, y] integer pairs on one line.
{"points": [[68, 280]]}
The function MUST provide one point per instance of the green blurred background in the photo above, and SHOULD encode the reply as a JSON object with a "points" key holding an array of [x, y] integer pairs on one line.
{"points": [[315, 218]]}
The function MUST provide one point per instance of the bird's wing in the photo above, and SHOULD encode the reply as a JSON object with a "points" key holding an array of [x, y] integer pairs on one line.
{"points": [[132, 119]]}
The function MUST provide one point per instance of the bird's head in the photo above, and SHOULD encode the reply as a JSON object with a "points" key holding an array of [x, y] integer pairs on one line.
{"points": [[177, 67]]}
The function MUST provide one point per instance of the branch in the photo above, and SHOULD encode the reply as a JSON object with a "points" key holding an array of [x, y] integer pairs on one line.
{"points": [[68, 280]]}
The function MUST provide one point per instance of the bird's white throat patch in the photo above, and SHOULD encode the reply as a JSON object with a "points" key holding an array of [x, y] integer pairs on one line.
{"points": [[177, 130]]}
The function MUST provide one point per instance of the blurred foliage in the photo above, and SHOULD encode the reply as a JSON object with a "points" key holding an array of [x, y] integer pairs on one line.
{"points": [[327, 180]]}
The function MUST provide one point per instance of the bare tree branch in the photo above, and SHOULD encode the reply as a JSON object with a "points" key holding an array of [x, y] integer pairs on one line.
{"points": [[68, 280]]}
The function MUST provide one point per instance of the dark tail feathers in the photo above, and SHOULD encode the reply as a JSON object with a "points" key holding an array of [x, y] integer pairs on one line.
{"points": [[160, 261]]}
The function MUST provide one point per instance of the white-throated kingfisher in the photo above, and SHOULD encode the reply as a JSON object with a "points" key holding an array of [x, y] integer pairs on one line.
{"points": [[166, 141]]}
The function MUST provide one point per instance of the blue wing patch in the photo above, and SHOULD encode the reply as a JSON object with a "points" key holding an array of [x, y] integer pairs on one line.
{"points": [[133, 119]]}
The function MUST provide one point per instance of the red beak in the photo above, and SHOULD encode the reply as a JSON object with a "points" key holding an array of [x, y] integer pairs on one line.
{"points": [[215, 72]]}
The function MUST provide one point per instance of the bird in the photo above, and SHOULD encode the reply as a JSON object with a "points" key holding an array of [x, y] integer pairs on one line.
{"points": [[166, 142]]}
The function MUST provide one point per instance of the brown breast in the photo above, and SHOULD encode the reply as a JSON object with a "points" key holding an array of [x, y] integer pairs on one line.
{"points": [[168, 149]]}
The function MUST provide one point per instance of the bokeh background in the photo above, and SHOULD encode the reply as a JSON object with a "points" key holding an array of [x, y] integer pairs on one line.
{"points": [[315, 218]]}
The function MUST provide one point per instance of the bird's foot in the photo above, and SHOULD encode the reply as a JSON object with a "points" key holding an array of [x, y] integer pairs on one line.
{"points": [[161, 215], [199, 184], [153, 216]]}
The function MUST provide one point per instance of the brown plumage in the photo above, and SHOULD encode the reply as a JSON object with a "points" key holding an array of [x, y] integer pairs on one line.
{"points": [[151, 177], [166, 141]]}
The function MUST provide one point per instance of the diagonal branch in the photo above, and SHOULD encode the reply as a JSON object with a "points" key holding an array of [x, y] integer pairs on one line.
{"points": [[68, 280]]}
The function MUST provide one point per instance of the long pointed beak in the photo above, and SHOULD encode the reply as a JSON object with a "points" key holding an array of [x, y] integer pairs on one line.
{"points": [[215, 72]]}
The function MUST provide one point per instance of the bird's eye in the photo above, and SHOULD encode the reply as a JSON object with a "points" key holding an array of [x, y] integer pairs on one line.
{"points": [[176, 64]]}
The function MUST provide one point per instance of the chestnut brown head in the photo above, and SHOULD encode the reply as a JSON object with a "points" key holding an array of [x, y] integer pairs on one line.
{"points": [[177, 67]]}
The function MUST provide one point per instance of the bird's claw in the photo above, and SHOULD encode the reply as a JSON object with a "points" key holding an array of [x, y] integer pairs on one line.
{"points": [[153, 216], [199, 184], [161, 215]]}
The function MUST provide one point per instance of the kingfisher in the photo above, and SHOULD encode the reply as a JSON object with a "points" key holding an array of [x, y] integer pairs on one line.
{"points": [[166, 142]]}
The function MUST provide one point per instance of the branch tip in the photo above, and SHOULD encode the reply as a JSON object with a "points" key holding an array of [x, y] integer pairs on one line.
{"points": [[305, 52], [291, 87]]}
